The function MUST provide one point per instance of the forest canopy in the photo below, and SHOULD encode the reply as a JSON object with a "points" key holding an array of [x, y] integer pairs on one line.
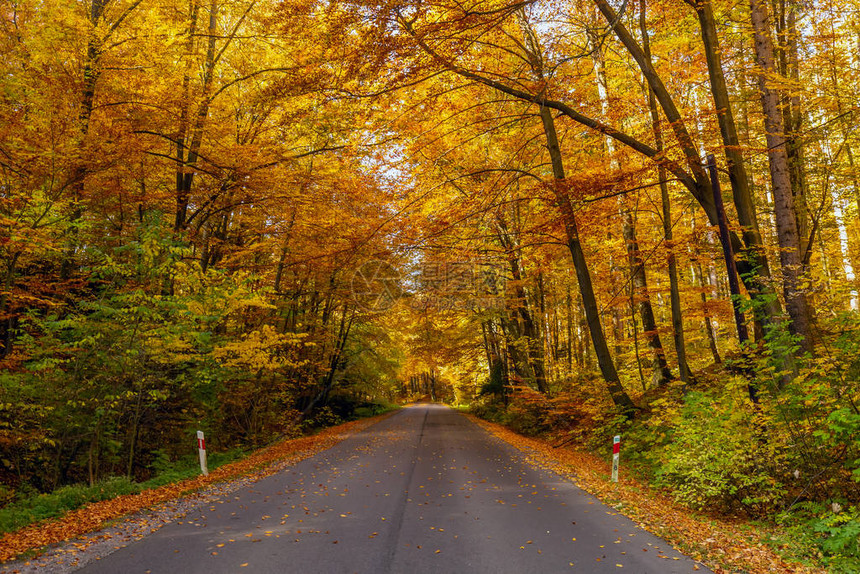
{"points": [[253, 217]]}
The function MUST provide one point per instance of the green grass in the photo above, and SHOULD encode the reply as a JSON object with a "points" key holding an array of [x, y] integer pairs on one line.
{"points": [[35, 508], [39, 507], [26, 511]]}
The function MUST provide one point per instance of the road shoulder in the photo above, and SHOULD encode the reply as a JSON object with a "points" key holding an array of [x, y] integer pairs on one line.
{"points": [[725, 546], [65, 543]]}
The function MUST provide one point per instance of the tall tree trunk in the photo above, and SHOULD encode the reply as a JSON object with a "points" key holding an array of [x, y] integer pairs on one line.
{"points": [[184, 119], [752, 267], [783, 199], [674, 289], [188, 144], [515, 361], [334, 360], [852, 225], [789, 68], [586, 289], [738, 179]]}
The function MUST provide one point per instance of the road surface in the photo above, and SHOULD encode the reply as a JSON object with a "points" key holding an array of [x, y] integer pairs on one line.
{"points": [[425, 490]]}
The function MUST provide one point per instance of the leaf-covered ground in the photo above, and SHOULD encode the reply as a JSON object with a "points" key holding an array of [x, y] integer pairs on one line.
{"points": [[725, 545], [90, 518]]}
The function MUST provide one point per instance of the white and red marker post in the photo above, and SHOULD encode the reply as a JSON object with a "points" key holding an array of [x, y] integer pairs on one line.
{"points": [[616, 454], [201, 450]]}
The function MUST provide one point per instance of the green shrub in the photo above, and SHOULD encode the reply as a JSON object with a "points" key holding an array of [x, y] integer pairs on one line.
{"points": [[7, 495], [364, 412], [373, 409], [840, 538], [712, 462], [321, 418], [493, 411], [824, 531], [843, 426], [527, 412], [187, 466]]}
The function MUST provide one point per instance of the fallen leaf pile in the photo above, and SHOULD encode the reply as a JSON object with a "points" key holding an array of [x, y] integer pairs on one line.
{"points": [[91, 517], [726, 545]]}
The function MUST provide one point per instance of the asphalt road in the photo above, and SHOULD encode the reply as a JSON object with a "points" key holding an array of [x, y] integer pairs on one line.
{"points": [[425, 490]]}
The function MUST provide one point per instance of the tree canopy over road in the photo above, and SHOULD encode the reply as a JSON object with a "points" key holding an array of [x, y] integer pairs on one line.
{"points": [[582, 218]]}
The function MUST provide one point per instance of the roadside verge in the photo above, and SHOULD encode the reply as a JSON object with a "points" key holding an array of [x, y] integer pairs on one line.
{"points": [[725, 545], [92, 517]]}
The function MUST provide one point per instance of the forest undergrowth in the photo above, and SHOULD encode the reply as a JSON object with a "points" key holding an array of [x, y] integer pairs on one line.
{"points": [[784, 469]]}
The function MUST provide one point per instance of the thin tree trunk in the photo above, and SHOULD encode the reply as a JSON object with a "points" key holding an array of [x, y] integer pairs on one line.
{"points": [[635, 327], [188, 150], [282, 258], [135, 428], [709, 326], [614, 309], [91, 73], [534, 343], [570, 346], [7, 318], [93, 454], [661, 374], [589, 300]]}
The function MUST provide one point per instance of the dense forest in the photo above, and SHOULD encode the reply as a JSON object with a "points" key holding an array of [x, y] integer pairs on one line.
{"points": [[255, 217]]}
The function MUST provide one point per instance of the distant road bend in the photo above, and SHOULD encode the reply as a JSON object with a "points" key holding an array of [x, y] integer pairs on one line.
{"points": [[425, 490]]}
